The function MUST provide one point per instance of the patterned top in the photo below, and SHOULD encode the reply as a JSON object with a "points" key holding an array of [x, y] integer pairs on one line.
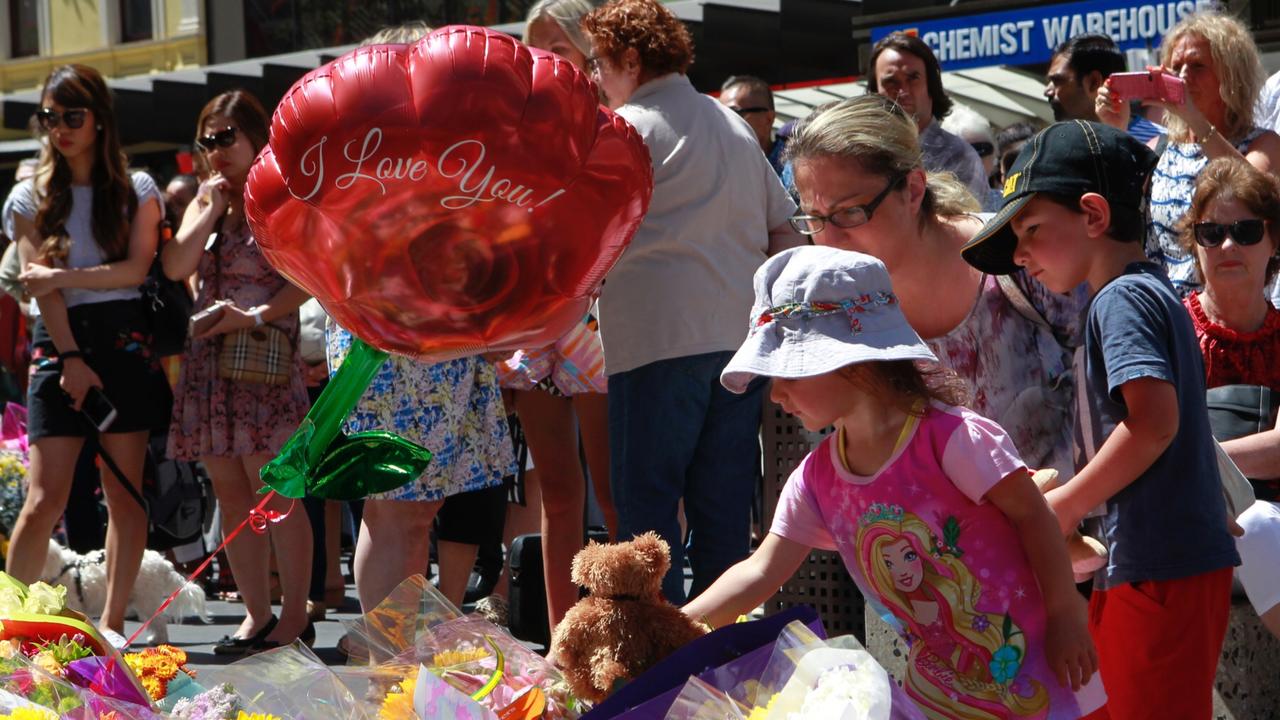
{"points": [[920, 540], [225, 418], [1172, 185], [1017, 369], [1237, 358], [452, 408]]}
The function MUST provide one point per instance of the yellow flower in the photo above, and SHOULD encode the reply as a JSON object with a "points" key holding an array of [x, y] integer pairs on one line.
{"points": [[48, 663], [255, 716], [398, 704], [28, 713], [154, 686], [450, 658]]}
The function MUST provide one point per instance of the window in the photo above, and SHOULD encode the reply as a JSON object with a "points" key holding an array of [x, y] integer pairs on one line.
{"points": [[135, 20], [24, 28]]}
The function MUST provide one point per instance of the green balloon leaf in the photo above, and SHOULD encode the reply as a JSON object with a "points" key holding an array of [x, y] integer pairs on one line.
{"points": [[318, 460], [362, 464]]}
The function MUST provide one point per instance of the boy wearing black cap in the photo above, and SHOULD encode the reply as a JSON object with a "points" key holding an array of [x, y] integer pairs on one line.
{"points": [[1072, 213]]}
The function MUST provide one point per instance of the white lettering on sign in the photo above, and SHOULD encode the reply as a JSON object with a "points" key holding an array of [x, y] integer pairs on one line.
{"points": [[1123, 25], [970, 43], [463, 162]]}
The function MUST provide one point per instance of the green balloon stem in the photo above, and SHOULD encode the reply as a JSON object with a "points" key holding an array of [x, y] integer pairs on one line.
{"points": [[340, 397]]}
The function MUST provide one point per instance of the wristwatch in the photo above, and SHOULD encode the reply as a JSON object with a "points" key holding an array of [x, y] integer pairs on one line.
{"points": [[256, 314]]}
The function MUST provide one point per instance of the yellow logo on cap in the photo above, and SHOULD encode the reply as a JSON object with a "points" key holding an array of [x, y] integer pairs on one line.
{"points": [[1011, 184]]}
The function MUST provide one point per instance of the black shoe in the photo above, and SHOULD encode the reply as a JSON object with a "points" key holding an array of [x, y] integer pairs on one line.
{"points": [[229, 645], [306, 637]]}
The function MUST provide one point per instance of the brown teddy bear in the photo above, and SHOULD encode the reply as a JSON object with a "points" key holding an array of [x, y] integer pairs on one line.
{"points": [[1087, 554], [625, 626]]}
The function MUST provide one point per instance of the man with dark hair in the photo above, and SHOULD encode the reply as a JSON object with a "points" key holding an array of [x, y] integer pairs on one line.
{"points": [[905, 70], [1077, 69], [752, 99]]}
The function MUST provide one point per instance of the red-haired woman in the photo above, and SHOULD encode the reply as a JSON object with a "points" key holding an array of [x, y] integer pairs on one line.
{"points": [[233, 426], [87, 233]]}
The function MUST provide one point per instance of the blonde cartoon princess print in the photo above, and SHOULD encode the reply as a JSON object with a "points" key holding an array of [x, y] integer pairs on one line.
{"points": [[963, 662]]}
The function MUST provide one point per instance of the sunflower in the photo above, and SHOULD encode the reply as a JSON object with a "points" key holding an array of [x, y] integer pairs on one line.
{"points": [[398, 705]]}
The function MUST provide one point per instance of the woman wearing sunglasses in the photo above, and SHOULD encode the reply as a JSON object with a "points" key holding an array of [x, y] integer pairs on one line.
{"points": [[1232, 232], [87, 232], [863, 187], [235, 426]]}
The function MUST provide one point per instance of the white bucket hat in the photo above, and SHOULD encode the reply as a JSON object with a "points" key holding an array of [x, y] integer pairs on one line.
{"points": [[816, 310]]}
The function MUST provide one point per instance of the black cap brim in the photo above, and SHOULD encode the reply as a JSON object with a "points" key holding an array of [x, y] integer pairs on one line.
{"points": [[991, 250]]}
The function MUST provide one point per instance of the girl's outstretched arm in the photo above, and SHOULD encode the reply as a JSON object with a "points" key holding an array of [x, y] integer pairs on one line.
{"points": [[748, 584], [1068, 647]]}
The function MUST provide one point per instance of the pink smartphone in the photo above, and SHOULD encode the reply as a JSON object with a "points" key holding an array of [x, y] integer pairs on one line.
{"points": [[1147, 85]]}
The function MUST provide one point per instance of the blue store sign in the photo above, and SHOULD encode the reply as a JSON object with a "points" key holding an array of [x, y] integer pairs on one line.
{"points": [[1029, 35]]}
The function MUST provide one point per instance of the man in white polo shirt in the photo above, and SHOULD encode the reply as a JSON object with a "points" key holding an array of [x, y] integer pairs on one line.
{"points": [[675, 307]]}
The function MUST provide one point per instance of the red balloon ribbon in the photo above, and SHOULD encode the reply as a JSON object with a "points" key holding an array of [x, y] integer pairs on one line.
{"points": [[258, 520]]}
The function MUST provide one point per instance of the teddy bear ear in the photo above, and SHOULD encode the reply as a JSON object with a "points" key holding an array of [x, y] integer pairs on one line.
{"points": [[583, 561], [654, 551]]}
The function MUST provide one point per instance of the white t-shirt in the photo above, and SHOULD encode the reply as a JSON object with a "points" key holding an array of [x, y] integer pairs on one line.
{"points": [[683, 286], [85, 252]]}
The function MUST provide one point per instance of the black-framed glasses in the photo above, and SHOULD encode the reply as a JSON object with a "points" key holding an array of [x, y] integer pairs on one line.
{"points": [[50, 119], [850, 217], [1244, 232], [224, 138], [983, 148], [743, 112]]}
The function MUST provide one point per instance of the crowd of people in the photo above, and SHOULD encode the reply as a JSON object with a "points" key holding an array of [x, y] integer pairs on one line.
{"points": [[1107, 322]]}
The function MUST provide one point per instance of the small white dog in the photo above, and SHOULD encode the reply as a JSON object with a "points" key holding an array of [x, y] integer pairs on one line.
{"points": [[85, 577]]}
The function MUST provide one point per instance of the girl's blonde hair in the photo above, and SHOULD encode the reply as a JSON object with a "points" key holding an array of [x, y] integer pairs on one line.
{"points": [[875, 132], [567, 14], [953, 587], [1236, 61]]}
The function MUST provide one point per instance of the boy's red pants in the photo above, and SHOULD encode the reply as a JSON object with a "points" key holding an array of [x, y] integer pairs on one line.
{"points": [[1158, 645]]}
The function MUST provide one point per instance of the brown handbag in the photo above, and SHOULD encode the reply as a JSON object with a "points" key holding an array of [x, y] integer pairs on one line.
{"points": [[262, 354]]}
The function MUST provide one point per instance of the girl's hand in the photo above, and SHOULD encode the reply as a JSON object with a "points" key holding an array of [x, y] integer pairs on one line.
{"points": [[77, 378], [232, 319], [1111, 110], [39, 280], [215, 194], [1068, 647]]}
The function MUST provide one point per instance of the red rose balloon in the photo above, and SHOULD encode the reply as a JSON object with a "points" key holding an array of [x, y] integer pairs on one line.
{"points": [[462, 194]]}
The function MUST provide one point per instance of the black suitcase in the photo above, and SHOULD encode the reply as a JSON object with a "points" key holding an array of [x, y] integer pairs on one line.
{"points": [[528, 591]]}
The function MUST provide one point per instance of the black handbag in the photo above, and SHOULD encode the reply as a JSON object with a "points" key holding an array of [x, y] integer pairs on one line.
{"points": [[1236, 411], [167, 305]]}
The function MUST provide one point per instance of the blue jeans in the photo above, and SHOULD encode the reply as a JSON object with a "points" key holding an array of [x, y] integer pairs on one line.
{"points": [[675, 433]]}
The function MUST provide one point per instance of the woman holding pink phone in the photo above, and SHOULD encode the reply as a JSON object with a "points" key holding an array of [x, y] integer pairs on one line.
{"points": [[227, 421], [1215, 57]]}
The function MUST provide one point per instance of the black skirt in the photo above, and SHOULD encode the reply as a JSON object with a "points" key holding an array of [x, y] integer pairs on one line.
{"points": [[116, 343]]}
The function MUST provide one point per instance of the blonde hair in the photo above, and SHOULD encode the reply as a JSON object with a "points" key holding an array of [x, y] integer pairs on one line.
{"points": [[567, 14], [956, 592], [1236, 61], [406, 34], [875, 132]]}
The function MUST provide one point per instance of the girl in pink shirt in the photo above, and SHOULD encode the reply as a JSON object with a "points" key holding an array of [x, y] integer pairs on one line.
{"points": [[932, 510]]}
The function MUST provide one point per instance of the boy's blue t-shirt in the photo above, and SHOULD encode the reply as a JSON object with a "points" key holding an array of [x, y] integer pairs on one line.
{"points": [[1171, 522]]}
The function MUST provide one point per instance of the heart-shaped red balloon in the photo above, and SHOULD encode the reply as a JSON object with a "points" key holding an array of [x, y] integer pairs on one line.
{"points": [[462, 194]]}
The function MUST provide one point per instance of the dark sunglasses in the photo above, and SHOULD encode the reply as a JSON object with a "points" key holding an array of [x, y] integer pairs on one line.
{"points": [[49, 119], [1244, 232], [983, 148], [743, 112], [221, 139]]}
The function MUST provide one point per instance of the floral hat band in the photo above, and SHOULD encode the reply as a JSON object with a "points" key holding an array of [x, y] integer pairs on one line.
{"points": [[852, 307]]}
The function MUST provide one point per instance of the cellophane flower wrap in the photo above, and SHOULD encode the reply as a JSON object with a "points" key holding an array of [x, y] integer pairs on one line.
{"points": [[288, 682], [393, 627], [698, 700], [25, 686]]}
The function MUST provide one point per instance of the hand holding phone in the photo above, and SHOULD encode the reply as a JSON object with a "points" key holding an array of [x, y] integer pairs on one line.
{"points": [[202, 321], [98, 409], [1148, 85]]}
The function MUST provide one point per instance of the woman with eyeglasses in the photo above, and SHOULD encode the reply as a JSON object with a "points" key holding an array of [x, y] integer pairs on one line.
{"points": [[862, 187], [235, 426], [1232, 233], [87, 231]]}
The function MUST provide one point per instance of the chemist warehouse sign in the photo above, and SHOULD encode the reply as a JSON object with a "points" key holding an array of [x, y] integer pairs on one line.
{"points": [[1027, 36]]}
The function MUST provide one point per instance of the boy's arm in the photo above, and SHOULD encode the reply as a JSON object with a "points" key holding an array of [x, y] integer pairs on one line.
{"points": [[1069, 650], [746, 585], [1131, 448]]}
